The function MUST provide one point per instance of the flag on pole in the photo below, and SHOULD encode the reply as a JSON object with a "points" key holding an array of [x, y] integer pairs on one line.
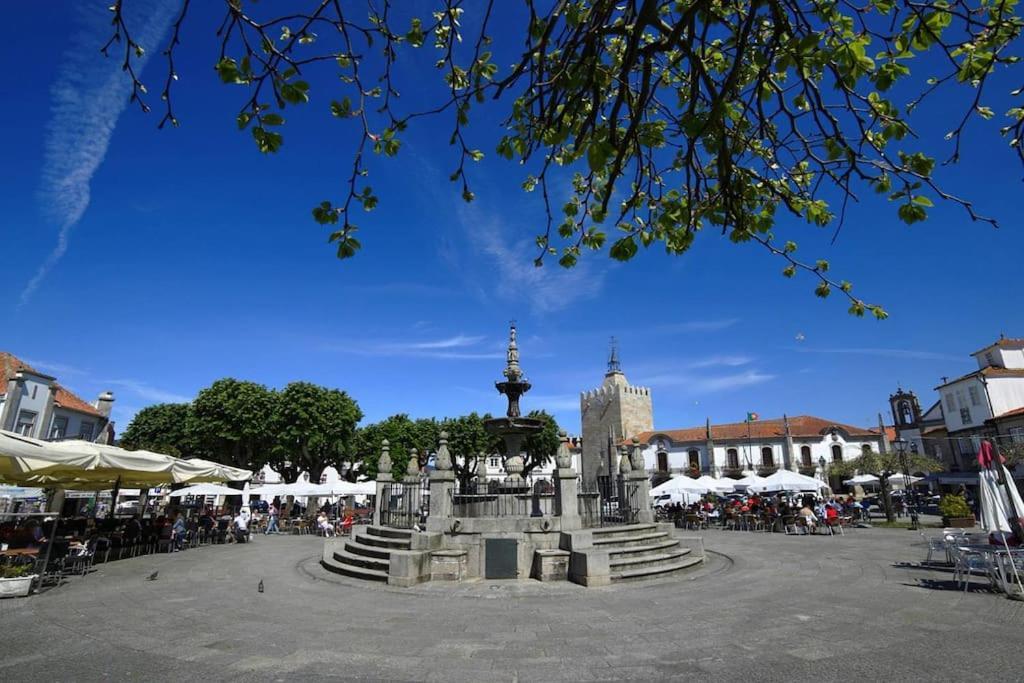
{"points": [[753, 417]]}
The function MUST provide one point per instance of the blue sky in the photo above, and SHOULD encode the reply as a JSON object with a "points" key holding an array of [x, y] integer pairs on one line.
{"points": [[190, 256]]}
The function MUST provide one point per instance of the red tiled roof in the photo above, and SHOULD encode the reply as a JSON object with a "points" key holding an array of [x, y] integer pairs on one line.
{"points": [[11, 364], [1016, 412], [1003, 343], [989, 371], [799, 426]]}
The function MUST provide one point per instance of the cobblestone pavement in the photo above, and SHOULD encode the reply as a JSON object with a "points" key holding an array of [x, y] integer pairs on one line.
{"points": [[766, 607]]}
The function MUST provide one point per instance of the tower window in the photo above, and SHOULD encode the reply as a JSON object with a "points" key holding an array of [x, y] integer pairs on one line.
{"points": [[905, 414]]}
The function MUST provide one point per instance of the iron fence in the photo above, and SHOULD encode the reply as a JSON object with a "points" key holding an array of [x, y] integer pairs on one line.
{"points": [[532, 497], [609, 501], [404, 505]]}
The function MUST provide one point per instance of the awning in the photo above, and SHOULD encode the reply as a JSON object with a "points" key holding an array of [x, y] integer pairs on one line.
{"points": [[90, 466], [205, 490]]}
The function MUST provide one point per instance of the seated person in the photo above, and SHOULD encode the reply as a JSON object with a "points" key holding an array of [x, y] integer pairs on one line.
{"points": [[325, 524], [241, 528], [810, 519]]}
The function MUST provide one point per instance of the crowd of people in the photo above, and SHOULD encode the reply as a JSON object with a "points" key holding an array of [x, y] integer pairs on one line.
{"points": [[774, 511]]}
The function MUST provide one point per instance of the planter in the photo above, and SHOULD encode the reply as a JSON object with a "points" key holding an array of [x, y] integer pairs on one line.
{"points": [[959, 522], [17, 587]]}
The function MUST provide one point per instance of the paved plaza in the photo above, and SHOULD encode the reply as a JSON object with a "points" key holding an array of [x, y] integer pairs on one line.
{"points": [[766, 607]]}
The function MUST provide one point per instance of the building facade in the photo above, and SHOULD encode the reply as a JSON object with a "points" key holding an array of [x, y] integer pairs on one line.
{"points": [[36, 405], [807, 444], [612, 412]]}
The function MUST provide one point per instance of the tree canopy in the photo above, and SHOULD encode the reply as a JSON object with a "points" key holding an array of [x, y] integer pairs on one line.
{"points": [[313, 428], [638, 122], [162, 428], [885, 466]]}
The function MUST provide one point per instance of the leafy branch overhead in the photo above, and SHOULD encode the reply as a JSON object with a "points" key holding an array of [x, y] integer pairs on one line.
{"points": [[641, 122]]}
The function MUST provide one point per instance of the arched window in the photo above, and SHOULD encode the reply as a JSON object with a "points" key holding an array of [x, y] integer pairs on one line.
{"points": [[767, 457], [905, 414], [694, 459], [805, 456], [865, 449], [662, 461], [837, 453], [732, 459]]}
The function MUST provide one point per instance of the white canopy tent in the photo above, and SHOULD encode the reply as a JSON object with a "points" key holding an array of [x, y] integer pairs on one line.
{"points": [[786, 480], [896, 480], [681, 484], [748, 481], [716, 485], [205, 490]]}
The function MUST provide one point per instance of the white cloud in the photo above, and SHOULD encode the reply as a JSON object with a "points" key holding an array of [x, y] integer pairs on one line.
{"points": [[706, 384], [698, 325], [59, 368], [150, 393], [548, 289], [720, 360], [86, 100], [887, 353], [458, 347]]}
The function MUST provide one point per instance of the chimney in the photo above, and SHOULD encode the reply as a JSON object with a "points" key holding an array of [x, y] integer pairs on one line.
{"points": [[104, 403]]}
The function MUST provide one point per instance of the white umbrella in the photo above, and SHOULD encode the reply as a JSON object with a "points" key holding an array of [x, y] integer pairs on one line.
{"points": [[748, 481], [362, 488], [785, 480], [717, 485], [862, 480], [680, 482], [205, 490]]}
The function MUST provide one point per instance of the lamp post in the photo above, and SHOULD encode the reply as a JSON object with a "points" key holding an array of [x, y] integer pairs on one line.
{"points": [[911, 499]]}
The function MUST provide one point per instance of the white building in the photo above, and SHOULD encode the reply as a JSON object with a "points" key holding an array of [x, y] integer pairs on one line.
{"points": [[992, 391], [804, 443], [34, 404]]}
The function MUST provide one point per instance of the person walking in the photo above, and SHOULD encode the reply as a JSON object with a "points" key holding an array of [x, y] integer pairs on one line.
{"points": [[272, 523]]}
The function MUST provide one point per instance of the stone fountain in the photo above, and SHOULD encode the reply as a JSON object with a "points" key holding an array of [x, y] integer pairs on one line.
{"points": [[467, 530], [513, 428]]}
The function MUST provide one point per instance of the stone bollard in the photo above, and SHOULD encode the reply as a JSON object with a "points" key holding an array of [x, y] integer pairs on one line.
{"points": [[442, 484], [644, 515], [566, 487], [384, 480]]}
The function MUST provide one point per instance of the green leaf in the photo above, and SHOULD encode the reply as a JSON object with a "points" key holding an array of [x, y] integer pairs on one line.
{"points": [[623, 249]]}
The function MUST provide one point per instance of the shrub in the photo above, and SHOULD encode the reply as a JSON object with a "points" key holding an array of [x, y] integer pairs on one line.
{"points": [[953, 505], [15, 571]]}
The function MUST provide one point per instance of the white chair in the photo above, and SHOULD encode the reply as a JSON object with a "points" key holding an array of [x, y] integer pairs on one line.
{"points": [[936, 544], [967, 562]]}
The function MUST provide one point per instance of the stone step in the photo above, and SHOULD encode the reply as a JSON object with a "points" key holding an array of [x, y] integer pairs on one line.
{"points": [[381, 542], [375, 563], [332, 565], [622, 530], [388, 532], [356, 548], [622, 564], [640, 549], [627, 541], [658, 571]]}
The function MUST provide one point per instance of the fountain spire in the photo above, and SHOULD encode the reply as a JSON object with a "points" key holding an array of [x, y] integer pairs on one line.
{"points": [[515, 384]]}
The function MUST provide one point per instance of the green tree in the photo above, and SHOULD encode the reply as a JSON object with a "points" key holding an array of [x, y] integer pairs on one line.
{"points": [[313, 428], [162, 428], [231, 421], [467, 441], [403, 434], [885, 466], [643, 122]]}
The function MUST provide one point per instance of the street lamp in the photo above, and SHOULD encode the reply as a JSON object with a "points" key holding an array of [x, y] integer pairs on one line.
{"points": [[908, 494]]}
